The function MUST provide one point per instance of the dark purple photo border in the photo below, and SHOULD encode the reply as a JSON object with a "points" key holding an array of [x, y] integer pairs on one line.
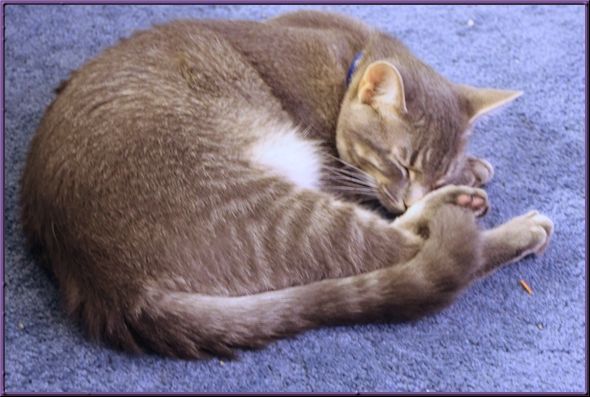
{"points": [[301, 2]]}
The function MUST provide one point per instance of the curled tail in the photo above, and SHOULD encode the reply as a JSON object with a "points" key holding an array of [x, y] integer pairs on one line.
{"points": [[193, 325]]}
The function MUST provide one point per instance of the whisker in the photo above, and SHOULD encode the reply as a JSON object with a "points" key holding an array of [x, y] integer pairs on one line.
{"points": [[346, 196], [368, 193], [350, 173], [354, 191], [346, 170], [352, 170], [339, 178], [368, 189], [346, 163], [361, 200], [389, 195]]}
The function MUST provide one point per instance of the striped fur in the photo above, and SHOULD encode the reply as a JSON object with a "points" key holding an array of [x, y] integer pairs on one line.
{"points": [[186, 189]]}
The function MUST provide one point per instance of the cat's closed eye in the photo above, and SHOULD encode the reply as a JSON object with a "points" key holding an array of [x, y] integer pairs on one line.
{"points": [[405, 170]]}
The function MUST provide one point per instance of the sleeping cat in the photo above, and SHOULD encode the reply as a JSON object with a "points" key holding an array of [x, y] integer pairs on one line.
{"points": [[202, 185]]}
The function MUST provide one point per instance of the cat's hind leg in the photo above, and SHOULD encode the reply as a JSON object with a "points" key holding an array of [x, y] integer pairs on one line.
{"points": [[419, 214]]}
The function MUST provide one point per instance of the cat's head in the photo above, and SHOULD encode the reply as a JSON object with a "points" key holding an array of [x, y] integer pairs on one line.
{"points": [[407, 127]]}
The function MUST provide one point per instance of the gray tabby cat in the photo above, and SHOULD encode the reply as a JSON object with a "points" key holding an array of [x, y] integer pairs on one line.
{"points": [[198, 187]]}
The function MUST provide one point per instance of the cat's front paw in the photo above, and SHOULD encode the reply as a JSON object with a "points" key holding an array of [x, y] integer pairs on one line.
{"points": [[530, 233], [476, 172], [481, 171]]}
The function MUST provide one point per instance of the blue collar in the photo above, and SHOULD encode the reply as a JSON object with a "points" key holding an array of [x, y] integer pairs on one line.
{"points": [[353, 66]]}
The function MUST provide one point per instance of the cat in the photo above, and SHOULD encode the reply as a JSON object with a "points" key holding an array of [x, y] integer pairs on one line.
{"points": [[199, 187]]}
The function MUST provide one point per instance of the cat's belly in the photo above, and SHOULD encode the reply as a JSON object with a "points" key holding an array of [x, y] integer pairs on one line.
{"points": [[284, 151]]}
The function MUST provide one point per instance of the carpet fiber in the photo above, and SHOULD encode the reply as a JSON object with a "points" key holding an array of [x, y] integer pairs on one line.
{"points": [[495, 338]]}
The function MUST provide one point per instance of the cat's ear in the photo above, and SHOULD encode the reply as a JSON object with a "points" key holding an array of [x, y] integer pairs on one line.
{"points": [[483, 100], [382, 87]]}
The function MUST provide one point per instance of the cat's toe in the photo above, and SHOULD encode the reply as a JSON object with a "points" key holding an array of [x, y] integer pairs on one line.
{"points": [[468, 197], [482, 171], [531, 233], [542, 229], [531, 214], [475, 200]]}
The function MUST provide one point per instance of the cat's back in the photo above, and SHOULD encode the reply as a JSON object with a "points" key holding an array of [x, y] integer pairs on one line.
{"points": [[181, 68], [174, 89], [136, 135]]}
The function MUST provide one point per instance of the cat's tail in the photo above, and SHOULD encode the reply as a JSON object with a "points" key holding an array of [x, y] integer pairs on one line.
{"points": [[194, 325]]}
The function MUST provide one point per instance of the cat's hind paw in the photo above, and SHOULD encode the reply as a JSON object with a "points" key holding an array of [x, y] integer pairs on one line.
{"points": [[470, 198]]}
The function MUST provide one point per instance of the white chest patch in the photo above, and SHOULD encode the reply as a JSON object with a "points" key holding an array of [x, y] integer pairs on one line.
{"points": [[289, 155]]}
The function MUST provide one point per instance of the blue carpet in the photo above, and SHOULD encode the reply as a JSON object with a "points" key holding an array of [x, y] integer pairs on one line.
{"points": [[495, 338]]}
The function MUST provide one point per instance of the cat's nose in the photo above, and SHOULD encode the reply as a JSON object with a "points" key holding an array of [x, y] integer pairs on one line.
{"points": [[399, 208], [396, 207], [408, 204]]}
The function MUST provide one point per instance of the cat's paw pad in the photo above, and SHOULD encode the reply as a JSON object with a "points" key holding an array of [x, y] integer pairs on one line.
{"points": [[476, 202], [481, 170], [468, 197]]}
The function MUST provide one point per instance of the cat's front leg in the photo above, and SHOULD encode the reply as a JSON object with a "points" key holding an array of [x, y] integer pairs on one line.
{"points": [[521, 236]]}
